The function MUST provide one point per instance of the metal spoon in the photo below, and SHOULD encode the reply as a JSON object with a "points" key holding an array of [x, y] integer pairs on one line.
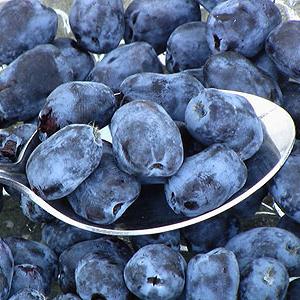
{"points": [[150, 214]]}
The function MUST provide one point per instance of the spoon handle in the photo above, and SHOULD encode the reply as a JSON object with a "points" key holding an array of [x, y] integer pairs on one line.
{"points": [[15, 180]]}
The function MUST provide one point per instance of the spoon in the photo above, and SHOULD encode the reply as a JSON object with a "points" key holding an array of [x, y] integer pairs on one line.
{"points": [[150, 214]]}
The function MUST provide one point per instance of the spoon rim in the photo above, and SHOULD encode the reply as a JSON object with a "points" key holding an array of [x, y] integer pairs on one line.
{"points": [[194, 220]]}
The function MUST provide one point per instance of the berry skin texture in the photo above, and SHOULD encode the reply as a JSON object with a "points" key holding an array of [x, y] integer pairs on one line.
{"points": [[146, 141], [266, 64], [29, 23], [284, 186], [106, 194], [6, 269], [205, 181], [172, 91], [153, 21], [197, 73], [232, 71], [99, 277], [97, 25], [156, 272], [81, 62], [241, 26], [283, 47], [187, 47], [217, 117], [270, 242], [264, 278], [61, 172], [77, 102], [22, 97], [59, 236], [291, 94], [28, 294], [213, 276], [124, 61], [68, 296], [210, 234], [170, 239], [33, 253], [34, 212], [248, 207], [29, 276], [106, 246]]}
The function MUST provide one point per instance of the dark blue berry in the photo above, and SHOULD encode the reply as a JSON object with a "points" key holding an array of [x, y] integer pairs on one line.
{"points": [[156, 272], [24, 24]]}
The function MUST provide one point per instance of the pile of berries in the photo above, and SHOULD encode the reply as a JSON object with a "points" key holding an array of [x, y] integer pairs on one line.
{"points": [[171, 126]]}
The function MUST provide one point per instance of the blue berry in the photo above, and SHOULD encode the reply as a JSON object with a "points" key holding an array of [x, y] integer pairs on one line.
{"points": [[205, 181], [100, 277], [24, 24], [271, 242], [146, 141], [187, 47], [77, 102], [106, 246], [170, 239], [283, 47], [34, 212], [241, 26], [29, 276], [232, 71], [81, 62], [61, 172], [291, 92], [124, 61], [59, 236], [13, 139], [156, 272], [154, 21], [264, 278], [213, 276], [21, 97], [6, 269], [265, 64], [34, 253], [284, 186], [248, 207], [172, 91], [218, 117], [97, 25], [106, 194], [28, 294], [210, 234]]}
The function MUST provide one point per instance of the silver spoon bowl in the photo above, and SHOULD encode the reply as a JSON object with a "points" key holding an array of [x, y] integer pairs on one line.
{"points": [[150, 214]]}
